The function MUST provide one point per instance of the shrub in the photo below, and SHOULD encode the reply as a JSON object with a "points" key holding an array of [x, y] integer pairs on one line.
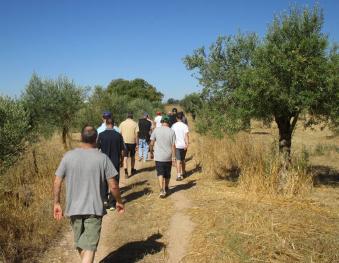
{"points": [[13, 130]]}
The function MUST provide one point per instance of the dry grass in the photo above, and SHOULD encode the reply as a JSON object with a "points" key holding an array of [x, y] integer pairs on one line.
{"points": [[254, 167], [26, 224], [238, 212]]}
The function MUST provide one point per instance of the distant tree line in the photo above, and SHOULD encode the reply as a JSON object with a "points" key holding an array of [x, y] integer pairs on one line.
{"points": [[59, 105]]}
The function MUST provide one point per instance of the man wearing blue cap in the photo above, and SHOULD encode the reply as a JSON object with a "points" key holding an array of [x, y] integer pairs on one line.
{"points": [[105, 116]]}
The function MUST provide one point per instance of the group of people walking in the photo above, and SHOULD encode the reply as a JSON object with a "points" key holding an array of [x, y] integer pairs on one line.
{"points": [[92, 171]]}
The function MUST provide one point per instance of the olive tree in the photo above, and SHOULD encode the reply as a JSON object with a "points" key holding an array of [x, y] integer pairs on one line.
{"points": [[289, 72], [53, 105]]}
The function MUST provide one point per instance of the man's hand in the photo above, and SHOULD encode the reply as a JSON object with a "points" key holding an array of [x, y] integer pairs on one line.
{"points": [[120, 207], [57, 211]]}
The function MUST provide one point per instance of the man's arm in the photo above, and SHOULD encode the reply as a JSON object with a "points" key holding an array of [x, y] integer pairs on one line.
{"points": [[57, 210], [187, 140], [115, 191]]}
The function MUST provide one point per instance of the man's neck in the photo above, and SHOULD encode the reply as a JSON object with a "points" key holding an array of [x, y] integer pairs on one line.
{"points": [[87, 146]]}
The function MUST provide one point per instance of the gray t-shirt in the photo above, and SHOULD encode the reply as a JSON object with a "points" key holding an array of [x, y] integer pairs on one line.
{"points": [[164, 138], [86, 172]]}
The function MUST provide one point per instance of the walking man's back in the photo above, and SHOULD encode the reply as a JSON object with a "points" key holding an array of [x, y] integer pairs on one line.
{"points": [[129, 131], [87, 173], [111, 143]]}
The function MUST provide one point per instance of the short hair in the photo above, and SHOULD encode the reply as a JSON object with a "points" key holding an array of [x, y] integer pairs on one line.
{"points": [[130, 115], [89, 134], [180, 115], [174, 110], [109, 122]]}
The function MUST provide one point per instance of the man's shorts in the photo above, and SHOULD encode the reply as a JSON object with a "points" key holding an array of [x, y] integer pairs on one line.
{"points": [[86, 230], [180, 154], [164, 169], [130, 149]]}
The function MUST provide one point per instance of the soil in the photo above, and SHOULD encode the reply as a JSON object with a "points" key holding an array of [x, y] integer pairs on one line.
{"points": [[176, 231]]}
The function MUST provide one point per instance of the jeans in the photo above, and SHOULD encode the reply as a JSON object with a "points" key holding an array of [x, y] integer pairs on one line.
{"points": [[143, 149]]}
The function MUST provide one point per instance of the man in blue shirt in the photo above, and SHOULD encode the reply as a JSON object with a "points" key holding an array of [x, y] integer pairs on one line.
{"points": [[105, 116]]}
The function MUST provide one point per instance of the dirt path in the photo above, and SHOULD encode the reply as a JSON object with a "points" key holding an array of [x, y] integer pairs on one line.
{"points": [[151, 230], [180, 228]]}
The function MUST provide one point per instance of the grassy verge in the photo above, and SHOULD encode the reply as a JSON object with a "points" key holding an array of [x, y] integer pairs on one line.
{"points": [[241, 217], [26, 225]]}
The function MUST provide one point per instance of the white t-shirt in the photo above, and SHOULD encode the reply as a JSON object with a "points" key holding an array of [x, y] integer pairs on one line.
{"points": [[157, 121], [180, 130]]}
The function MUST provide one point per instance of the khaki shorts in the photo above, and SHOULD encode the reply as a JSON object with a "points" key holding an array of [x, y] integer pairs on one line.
{"points": [[86, 230]]}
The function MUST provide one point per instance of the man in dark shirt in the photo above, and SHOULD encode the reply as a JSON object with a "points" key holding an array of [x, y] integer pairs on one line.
{"points": [[144, 136], [173, 116], [111, 143]]}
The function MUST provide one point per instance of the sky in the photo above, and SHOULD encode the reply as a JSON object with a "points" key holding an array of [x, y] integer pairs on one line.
{"points": [[93, 42]]}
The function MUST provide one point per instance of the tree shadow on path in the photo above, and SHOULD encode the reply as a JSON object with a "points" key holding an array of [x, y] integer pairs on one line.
{"points": [[181, 187], [135, 251], [135, 195], [129, 187], [196, 169]]}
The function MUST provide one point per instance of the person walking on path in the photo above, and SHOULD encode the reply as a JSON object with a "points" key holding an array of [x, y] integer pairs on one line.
{"points": [[181, 145], [157, 120], [163, 142], [111, 143], [173, 116], [145, 127], [129, 131], [87, 173], [105, 115]]}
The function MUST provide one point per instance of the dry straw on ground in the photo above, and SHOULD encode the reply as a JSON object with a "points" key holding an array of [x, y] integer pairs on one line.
{"points": [[242, 217], [26, 225]]}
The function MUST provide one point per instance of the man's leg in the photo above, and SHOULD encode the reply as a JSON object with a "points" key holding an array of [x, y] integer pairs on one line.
{"points": [[145, 150], [140, 149], [161, 182], [86, 256]]}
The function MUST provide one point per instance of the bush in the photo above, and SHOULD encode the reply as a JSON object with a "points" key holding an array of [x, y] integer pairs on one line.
{"points": [[13, 130]]}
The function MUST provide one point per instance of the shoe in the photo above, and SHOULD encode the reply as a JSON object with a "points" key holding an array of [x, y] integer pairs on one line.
{"points": [[179, 178], [140, 159], [133, 171], [162, 194], [167, 190], [112, 208]]}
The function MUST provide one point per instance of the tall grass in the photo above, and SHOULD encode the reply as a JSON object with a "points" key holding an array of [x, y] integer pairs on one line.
{"points": [[26, 223], [254, 166]]}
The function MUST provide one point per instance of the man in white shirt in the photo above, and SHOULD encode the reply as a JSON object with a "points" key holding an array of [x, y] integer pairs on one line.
{"points": [[181, 144], [157, 120]]}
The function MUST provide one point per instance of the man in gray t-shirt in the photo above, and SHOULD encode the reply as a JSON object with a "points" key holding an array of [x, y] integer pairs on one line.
{"points": [[163, 142], [87, 173]]}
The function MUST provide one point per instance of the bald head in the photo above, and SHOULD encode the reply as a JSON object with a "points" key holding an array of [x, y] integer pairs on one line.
{"points": [[89, 134]]}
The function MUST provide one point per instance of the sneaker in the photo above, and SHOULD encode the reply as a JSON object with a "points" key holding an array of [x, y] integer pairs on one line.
{"points": [[112, 208], [133, 171], [162, 194], [179, 178]]}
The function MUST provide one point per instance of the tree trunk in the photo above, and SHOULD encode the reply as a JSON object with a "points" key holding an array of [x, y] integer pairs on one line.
{"points": [[35, 163], [64, 137], [285, 134]]}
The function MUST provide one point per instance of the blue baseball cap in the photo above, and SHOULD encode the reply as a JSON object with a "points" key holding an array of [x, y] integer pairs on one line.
{"points": [[106, 114]]}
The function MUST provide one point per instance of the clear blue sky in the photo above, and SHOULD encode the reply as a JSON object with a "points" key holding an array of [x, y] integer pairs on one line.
{"points": [[94, 42]]}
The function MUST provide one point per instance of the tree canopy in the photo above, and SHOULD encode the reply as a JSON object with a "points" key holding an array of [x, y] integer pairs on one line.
{"points": [[133, 89], [289, 72], [52, 104]]}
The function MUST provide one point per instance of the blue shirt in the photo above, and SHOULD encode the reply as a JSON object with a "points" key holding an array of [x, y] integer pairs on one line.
{"points": [[101, 128]]}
